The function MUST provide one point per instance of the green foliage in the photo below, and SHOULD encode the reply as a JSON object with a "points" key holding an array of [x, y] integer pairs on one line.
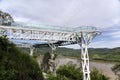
{"points": [[101, 54], [45, 62], [96, 75], [60, 51], [58, 77], [104, 54], [70, 71], [15, 65]]}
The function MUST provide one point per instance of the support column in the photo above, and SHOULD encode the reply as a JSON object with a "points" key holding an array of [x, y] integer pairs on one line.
{"points": [[52, 60], [31, 50], [83, 41], [85, 62]]}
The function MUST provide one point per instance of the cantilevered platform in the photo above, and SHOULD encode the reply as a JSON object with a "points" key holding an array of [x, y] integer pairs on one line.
{"points": [[53, 34]]}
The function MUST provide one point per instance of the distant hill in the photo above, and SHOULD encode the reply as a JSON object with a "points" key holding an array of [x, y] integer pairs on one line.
{"points": [[104, 54]]}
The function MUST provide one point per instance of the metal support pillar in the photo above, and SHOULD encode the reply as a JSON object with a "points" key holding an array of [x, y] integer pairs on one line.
{"points": [[52, 60], [31, 50], [85, 62], [83, 41]]}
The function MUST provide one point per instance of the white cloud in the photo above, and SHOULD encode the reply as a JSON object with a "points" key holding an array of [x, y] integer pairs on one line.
{"points": [[114, 34], [21, 19], [116, 21], [105, 44], [72, 13], [104, 14], [98, 44]]}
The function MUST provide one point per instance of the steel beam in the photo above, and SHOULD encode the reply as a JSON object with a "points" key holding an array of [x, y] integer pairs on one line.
{"points": [[31, 50]]}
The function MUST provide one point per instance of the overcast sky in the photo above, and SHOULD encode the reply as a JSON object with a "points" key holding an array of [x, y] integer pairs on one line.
{"points": [[103, 14]]}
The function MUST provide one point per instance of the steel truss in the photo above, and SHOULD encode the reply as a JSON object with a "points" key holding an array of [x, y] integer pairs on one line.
{"points": [[83, 41], [35, 34], [82, 36]]}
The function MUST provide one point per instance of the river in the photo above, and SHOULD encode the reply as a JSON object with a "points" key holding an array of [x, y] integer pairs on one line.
{"points": [[105, 68]]}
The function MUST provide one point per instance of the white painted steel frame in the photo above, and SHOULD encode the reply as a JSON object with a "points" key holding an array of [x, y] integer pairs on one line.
{"points": [[83, 38], [83, 41], [35, 34]]}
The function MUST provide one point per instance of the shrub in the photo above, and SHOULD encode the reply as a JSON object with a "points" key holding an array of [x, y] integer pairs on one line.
{"points": [[116, 70], [15, 65], [58, 77], [70, 71], [96, 75]]}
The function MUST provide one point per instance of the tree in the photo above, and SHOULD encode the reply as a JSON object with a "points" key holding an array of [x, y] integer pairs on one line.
{"points": [[45, 66], [96, 75], [70, 71], [57, 77], [5, 19], [15, 65]]}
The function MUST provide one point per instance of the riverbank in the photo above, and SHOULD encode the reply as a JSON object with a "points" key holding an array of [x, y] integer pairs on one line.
{"points": [[105, 68]]}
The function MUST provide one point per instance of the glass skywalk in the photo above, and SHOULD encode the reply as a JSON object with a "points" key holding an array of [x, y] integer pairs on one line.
{"points": [[54, 28]]}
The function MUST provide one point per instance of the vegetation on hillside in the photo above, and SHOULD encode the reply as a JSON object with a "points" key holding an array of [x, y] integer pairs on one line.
{"points": [[70, 72], [100, 54], [15, 65], [104, 54]]}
